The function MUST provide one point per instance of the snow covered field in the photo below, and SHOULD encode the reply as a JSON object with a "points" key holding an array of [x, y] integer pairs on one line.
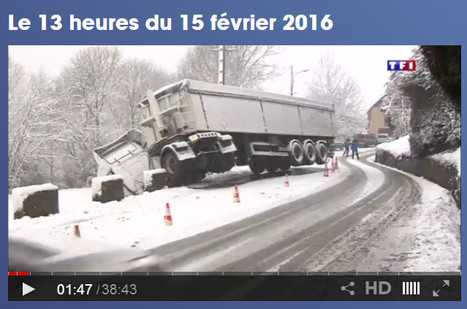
{"points": [[137, 221]]}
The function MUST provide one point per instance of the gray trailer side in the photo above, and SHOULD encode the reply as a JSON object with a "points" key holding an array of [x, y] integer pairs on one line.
{"points": [[228, 109]]}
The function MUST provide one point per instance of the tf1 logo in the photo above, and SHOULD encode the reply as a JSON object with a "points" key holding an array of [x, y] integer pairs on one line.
{"points": [[402, 65]]}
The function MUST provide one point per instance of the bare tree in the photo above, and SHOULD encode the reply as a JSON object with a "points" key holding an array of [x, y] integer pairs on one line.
{"points": [[91, 83], [28, 127], [137, 76], [245, 65], [330, 83], [83, 90]]}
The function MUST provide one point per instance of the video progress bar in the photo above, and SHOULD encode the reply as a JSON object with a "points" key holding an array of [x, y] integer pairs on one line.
{"points": [[174, 273]]}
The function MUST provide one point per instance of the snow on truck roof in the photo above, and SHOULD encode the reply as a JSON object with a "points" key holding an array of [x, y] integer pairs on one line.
{"points": [[195, 86]]}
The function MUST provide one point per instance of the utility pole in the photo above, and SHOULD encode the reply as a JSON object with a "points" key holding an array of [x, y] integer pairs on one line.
{"points": [[291, 80], [292, 77], [221, 72]]}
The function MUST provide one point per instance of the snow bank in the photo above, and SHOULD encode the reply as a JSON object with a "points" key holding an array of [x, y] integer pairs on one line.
{"points": [[106, 178], [399, 147], [437, 225], [18, 195], [425, 238], [450, 158]]}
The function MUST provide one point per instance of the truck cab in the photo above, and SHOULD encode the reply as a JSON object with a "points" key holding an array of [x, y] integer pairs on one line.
{"points": [[169, 123]]}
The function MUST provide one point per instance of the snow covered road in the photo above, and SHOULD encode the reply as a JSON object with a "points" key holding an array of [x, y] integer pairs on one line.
{"points": [[301, 235]]}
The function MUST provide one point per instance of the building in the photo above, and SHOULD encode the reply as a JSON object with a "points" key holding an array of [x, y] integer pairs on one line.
{"points": [[378, 121]]}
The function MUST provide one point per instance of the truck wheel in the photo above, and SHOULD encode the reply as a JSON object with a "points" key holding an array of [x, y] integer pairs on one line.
{"points": [[255, 167], [228, 161], [296, 152], [174, 169], [285, 166], [195, 176], [272, 169], [321, 153], [310, 153]]}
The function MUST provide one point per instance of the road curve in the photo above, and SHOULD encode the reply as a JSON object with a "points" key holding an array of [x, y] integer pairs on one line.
{"points": [[302, 235]]}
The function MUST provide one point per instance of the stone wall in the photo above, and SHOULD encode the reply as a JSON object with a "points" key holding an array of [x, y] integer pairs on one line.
{"points": [[427, 167]]}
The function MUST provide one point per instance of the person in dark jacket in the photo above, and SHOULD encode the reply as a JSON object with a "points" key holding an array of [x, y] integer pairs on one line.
{"points": [[354, 147], [346, 148]]}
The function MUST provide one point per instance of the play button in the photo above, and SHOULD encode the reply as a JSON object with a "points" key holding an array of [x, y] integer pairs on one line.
{"points": [[27, 289]]}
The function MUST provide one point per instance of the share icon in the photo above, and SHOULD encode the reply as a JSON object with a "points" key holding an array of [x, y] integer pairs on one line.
{"points": [[345, 288]]}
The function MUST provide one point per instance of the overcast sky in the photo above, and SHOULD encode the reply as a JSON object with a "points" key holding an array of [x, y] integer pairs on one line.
{"points": [[367, 64]]}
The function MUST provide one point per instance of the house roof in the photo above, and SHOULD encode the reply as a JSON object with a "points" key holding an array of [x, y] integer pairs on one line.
{"points": [[377, 104]]}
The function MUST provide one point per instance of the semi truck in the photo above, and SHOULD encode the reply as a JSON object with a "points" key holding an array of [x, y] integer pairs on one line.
{"points": [[191, 128]]}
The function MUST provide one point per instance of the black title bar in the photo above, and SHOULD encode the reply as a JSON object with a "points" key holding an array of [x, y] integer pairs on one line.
{"points": [[241, 287]]}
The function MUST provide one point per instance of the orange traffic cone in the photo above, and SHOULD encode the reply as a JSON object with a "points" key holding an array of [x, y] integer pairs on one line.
{"points": [[286, 182], [77, 232], [326, 169], [236, 195], [167, 216]]}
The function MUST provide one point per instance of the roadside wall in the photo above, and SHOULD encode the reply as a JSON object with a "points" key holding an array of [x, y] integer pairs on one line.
{"points": [[433, 170]]}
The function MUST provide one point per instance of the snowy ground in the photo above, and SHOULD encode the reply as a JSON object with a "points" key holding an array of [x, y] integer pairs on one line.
{"points": [[137, 221], [425, 238], [421, 237]]}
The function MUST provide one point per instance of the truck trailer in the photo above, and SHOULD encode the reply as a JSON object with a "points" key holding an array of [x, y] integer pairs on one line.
{"points": [[191, 128]]}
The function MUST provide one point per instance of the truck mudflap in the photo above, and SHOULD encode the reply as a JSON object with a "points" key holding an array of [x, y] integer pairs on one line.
{"points": [[125, 156]]}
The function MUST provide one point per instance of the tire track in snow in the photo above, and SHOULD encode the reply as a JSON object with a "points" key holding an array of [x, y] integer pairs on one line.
{"points": [[280, 221]]}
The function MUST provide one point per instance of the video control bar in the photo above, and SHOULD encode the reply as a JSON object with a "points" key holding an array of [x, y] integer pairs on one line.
{"points": [[236, 287]]}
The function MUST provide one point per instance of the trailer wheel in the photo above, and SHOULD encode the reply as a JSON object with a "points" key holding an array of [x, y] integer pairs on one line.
{"points": [[321, 153], [297, 152], [310, 153], [255, 167], [174, 169]]}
